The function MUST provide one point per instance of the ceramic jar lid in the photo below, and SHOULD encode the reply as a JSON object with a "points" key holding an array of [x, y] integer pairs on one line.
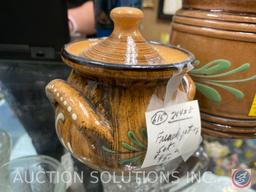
{"points": [[126, 46]]}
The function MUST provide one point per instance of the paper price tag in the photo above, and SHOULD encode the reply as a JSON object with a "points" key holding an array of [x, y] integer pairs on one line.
{"points": [[172, 131]]}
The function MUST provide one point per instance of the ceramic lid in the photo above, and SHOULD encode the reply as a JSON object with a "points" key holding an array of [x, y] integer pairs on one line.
{"points": [[127, 46]]}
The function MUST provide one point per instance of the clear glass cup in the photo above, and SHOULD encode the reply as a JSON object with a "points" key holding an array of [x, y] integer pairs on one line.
{"points": [[173, 176], [33, 174], [5, 147]]}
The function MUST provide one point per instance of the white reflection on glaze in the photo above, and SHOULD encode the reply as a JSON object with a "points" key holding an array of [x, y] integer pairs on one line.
{"points": [[131, 52]]}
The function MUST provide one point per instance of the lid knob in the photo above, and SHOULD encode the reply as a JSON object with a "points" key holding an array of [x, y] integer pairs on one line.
{"points": [[126, 20], [126, 13], [126, 45]]}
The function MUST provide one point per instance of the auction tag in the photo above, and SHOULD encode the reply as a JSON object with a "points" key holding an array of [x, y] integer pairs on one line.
{"points": [[172, 132], [252, 112]]}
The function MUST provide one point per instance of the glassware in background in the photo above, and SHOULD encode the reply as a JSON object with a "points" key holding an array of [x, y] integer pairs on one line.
{"points": [[33, 174], [104, 24], [5, 147], [170, 178]]}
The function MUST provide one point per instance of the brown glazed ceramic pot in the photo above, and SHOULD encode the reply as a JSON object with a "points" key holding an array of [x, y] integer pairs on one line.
{"points": [[100, 109], [222, 35]]}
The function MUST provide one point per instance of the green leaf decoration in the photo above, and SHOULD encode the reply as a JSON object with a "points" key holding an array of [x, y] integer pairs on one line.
{"points": [[212, 67], [129, 147], [196, 63], [238, 94], [132, 137], [143, 132], [131, 160], [215, 69], [209, 92], [135, 140], [239, 69], [218, 67], [235, 81], [104, 148]]}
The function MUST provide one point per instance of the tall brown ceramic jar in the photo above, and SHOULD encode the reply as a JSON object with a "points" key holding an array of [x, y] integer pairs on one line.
{"points": [[222, 35]]}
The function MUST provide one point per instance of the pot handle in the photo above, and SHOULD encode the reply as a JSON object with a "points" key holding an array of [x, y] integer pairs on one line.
{"points": [[190, 87], [79, 109]]}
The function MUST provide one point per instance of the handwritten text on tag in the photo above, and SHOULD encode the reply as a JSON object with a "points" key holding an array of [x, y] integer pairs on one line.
{"points": [[172, 131]]}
